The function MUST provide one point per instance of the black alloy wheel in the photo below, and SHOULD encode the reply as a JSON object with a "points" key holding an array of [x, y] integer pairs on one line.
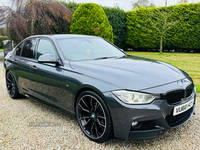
{"points": [[93, 117], [11, 85]]}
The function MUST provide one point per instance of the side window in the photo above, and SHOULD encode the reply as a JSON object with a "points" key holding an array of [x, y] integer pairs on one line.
{"points": [[45, 47], [28, 48], [18, 49]]}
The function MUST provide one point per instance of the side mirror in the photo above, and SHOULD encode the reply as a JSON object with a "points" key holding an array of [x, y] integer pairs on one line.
{"points": [[48, 58]]}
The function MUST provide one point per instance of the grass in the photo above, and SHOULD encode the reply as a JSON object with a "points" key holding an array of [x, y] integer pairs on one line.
{"points": [[1, 50], [188, 62]]}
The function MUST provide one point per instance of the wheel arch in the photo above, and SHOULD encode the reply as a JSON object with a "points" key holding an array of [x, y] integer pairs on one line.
{"points": [[88, 88], [9, 69]]}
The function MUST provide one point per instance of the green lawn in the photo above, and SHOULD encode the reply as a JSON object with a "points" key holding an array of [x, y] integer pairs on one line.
{"points": [[1, 50], [188, 62]]}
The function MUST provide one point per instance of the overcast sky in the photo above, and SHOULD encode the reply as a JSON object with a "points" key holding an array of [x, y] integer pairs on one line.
{"points": [[124, 4]]}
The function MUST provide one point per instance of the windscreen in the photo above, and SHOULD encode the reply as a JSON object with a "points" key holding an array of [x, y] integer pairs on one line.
{"points": [[87, 49]]}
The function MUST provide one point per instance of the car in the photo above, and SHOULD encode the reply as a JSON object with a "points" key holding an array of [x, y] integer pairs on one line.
{"points": [[109, 92]]}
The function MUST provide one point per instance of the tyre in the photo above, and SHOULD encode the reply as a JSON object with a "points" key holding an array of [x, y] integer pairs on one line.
{"points": [[11, 85], [93, 117]]}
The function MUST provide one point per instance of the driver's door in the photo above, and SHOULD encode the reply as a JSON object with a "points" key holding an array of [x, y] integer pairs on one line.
{"points": [[47, 78]]}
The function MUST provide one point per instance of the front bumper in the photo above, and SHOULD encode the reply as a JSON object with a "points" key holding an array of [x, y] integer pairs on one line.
{"points": [[152, 118]]}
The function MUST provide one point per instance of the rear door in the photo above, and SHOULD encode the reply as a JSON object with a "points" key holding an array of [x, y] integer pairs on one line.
{"points": [[47, 79], [24, 54]]}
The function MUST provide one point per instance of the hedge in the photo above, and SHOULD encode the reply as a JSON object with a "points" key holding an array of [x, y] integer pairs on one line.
{"points": [[90, 19], [184, 35], [72, 6], [117, 19], [2, 38]]}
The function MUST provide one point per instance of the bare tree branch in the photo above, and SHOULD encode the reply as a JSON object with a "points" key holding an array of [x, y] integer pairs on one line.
{"points": [[142, 3]]}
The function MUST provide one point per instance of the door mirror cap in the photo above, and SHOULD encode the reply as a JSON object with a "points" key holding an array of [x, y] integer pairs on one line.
{"points": [[48, 58]]}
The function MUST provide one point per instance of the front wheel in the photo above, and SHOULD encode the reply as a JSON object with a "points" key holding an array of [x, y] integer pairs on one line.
{"points": [[11, 85], [93, 117]]}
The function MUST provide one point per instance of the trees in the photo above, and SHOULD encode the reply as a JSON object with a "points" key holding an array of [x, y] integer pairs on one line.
{"points": [[2, 38], [117, 19], [160, 22], [183, 1], [183, 36], [142, 3], [163, 23], [35, 17], [72, 6], [90, 19], [3, 31]]}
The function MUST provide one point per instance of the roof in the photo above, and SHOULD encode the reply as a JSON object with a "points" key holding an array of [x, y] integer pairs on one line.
{"points": [[61, 36]]}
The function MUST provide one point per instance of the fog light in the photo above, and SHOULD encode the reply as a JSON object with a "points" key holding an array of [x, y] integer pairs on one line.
{"points": [[134, 124]]}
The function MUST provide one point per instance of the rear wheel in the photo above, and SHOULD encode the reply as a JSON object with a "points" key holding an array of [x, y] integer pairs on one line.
{"points": [[93, 117], [11, 85]]}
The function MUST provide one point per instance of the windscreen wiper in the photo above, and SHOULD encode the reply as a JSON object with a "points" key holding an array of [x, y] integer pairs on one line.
{"points": [[105, 57]]}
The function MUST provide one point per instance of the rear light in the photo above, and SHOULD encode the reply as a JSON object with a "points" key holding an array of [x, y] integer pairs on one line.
{"points": [[4, 59]]}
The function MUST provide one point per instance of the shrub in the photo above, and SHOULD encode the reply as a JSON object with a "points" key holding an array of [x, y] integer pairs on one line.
{"points": [[90, 19], [137, 37], [117, 19], [2, 38], [185, 35]]}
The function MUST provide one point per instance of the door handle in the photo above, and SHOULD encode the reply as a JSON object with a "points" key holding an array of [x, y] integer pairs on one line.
{"points": [[33, 67]]}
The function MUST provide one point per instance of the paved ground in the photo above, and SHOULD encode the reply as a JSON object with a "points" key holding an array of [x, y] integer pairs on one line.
{"points": [[27, 124], [1, 54]]}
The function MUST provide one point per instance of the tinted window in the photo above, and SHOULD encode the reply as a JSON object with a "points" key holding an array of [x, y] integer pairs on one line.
{"points": [[45, 47], [28, 48], [18, 49]]}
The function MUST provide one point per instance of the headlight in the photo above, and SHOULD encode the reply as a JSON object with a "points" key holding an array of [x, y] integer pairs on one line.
{"points": [[130, 97]]}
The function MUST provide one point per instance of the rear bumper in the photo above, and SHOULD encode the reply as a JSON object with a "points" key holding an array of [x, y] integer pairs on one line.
{"points": [[152, 118]]}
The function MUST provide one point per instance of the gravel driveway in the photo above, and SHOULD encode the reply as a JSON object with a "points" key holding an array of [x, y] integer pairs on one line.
{"points": [[27, 124], [1, 55]]}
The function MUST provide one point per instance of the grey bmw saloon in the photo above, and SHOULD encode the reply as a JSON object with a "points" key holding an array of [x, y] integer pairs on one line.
{"points": [[109, 92]]}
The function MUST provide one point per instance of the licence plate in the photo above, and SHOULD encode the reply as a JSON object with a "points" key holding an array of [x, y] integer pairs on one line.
{"points": [[182, 108]]}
